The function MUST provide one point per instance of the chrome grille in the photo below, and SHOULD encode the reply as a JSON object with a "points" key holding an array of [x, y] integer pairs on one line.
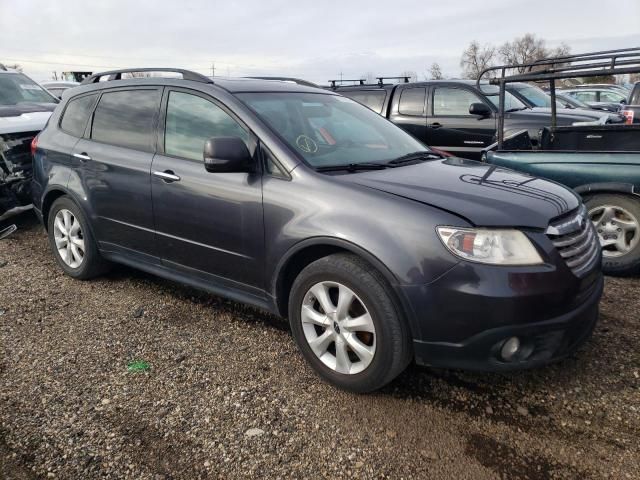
{"points": [[576, 241]]}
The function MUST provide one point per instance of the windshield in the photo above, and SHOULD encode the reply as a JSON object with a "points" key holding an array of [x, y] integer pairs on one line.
{"points": [[536, 96], [330, 130], [510, 102], [18, 88], [574, 102]]}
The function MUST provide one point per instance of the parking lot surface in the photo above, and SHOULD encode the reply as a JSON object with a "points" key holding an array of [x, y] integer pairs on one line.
{"points": [[132, 376]]}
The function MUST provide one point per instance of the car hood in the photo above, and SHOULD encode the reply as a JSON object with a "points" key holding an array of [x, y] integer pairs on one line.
{"points": [[573, 114], [24, 117], [484, 195]]}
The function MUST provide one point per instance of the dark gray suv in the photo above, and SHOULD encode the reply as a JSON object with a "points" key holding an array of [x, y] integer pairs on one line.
{"points": [[304, 203]]}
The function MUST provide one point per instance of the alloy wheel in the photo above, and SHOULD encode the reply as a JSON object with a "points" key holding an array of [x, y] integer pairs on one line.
{"points": [[338, 327], [69, 240], [618, 230]]}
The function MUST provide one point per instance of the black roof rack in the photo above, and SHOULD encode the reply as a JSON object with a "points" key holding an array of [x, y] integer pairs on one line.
{"points": [[117, 74], [404, 78], [340, 80], [606, 62], [298, 81]]}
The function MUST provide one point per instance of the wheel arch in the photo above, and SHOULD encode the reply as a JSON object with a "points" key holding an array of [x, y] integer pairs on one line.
{"points": [[590, 189], [310, 250], [52, 195], [48, 199]]}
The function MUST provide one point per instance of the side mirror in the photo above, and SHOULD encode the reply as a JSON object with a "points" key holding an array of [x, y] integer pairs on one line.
{"points": [[226, 155], [480, 109]]}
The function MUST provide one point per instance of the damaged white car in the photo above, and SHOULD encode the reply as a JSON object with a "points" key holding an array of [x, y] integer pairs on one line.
{"points": [[25, 108]]}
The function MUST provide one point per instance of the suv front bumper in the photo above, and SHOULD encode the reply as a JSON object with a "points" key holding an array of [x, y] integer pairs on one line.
{"points": [[470, 334]]}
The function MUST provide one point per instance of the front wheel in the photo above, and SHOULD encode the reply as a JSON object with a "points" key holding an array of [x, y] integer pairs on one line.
{"points": [[346, 323], [617, 221]]}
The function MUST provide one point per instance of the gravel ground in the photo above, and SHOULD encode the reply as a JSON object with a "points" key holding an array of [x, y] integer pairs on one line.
{"points": [[227, 395]]}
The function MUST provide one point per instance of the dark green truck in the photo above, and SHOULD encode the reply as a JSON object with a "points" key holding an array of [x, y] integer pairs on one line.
{"points": [[600, 162]]}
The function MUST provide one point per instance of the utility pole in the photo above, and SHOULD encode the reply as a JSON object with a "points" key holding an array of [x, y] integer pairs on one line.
{"points": [[213, 69]]}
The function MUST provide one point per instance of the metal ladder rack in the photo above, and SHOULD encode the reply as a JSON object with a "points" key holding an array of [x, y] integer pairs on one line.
{"points": [[606, 62]]}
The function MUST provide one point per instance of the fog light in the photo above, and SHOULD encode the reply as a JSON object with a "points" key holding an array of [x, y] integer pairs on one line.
{"points": [[510, 348]]}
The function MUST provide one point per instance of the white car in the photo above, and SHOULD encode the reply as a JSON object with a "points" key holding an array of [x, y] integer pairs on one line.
{"points": [[25, 108], [57, 88]]}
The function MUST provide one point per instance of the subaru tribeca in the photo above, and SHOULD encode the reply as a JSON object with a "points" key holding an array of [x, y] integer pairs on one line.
{"points": [[309, 205]]}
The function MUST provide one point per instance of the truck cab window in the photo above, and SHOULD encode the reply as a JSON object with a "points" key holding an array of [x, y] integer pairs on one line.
{"points": [[374, 99], [453, 101], [412, 101]]}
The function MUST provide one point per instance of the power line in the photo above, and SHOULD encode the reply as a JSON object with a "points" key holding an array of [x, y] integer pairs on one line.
{"points": [[133, 59], [81, 64]]}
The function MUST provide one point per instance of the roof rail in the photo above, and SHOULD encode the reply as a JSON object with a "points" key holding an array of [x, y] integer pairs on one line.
{"points": [[298, 81], [117, 74], [2, 67], [334, 82], [404, 78]]}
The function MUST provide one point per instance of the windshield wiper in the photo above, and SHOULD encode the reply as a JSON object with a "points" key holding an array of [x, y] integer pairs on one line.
{"points": [[516, 109], [416, 157], [351, 167]]}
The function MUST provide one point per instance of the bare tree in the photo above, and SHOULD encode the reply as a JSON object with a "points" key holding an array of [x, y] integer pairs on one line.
{"points": [[435, 72], [413, 76], [528, 49], [476, 58]]}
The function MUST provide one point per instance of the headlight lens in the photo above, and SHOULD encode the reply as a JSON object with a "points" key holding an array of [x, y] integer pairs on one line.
{"points": [[496, 247]]}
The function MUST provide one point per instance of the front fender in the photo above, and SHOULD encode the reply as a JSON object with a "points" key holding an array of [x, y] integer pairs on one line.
{"points": [[390, 231]]}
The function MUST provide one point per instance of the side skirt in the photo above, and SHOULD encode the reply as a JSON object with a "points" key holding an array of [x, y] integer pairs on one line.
{"points": [[211, 284]]}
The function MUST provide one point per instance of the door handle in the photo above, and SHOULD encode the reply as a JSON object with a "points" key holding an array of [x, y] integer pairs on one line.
{"points": [[82, 156], [167, 176], [435, 125]]}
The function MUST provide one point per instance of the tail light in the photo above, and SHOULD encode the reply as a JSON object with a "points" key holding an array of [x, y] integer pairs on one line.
{"points": [[628, 115], [34, 145]]}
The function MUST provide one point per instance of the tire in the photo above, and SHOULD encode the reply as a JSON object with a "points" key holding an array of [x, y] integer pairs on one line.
{"points": [[618, 258], [390, 342], [91, 263]]}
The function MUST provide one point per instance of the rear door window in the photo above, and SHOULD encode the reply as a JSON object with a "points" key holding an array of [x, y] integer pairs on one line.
{"points": [[412, 101], [586, 96], [76, 114], [126, 118], [613, 97], [374, 99], [191, 121]]}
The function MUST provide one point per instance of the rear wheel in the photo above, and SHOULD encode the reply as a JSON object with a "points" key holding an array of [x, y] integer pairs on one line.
{"points": [[617, 221], [71, 241], [347, 324]]}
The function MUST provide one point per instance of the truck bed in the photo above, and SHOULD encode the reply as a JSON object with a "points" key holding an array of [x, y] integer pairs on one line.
{"points": [[571, 168]]}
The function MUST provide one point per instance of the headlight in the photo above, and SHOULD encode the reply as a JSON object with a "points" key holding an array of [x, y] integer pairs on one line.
{"points": [[496, 247]]}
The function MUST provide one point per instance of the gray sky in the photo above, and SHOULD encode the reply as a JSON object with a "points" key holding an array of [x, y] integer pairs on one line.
{"points": [[315, 40]]}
